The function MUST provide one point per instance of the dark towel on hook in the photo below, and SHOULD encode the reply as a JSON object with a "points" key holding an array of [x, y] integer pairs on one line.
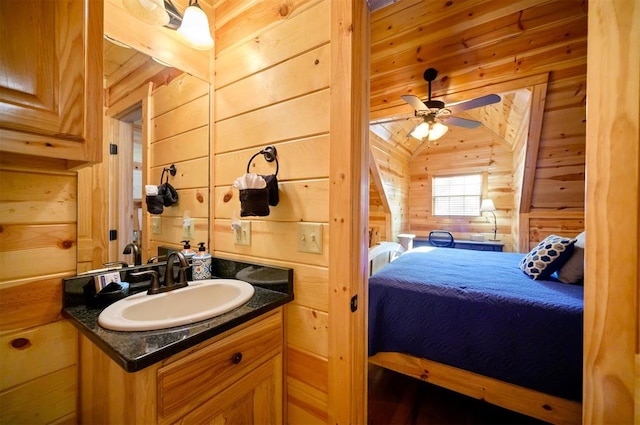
{"points": [[155, 204], [272, 185]]}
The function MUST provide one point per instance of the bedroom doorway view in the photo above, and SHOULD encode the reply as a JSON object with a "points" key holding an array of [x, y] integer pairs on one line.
{"points": [[504, 149]]}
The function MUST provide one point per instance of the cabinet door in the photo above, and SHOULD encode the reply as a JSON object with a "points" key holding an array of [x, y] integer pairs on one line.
{"points": [[254, 399], [51, 78], [201, 375]]}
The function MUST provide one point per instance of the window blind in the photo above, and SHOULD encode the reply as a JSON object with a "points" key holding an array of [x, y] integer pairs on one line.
{"points": [[457, 195]]}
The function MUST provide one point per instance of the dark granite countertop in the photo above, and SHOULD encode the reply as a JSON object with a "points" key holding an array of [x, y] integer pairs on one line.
{"points": [[136, 350]]}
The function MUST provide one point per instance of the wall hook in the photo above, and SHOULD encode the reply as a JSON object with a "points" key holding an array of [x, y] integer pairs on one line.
{"points": [[269, 153], [172, 169]]}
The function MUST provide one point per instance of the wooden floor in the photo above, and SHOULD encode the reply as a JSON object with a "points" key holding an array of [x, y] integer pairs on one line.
{"points": [[398, 399]]}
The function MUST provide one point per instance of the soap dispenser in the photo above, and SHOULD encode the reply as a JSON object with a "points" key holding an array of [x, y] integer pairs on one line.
{"points": [[187, 251], [201, 264]]}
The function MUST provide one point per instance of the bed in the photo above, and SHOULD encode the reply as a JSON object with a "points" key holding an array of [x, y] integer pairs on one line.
{"points": [[473, 322]]}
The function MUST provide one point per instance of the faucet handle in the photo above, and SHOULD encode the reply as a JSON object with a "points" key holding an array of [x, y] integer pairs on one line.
{"points": [[155, 280], [157, 258]]}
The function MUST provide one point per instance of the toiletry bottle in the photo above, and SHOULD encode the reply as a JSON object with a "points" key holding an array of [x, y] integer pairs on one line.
{"points": [[187, 251], [201, 264]]}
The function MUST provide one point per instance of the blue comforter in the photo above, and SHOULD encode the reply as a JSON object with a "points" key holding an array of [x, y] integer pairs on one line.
{"points": [[477, 311]]}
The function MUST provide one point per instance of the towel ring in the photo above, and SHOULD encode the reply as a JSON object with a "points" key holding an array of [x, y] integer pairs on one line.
{"points": [[172, 170], [270, 154]]}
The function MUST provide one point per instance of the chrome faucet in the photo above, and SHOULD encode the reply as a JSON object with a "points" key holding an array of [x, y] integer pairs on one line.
{"points": [[169, 283], [137, 255]]}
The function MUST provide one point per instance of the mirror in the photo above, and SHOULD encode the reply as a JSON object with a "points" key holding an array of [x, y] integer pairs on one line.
{"points": [[155, 116]]}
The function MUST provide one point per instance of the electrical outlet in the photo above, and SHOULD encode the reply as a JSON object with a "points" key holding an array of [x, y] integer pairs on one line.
{"points": [[156, 225], [310, 237], [242, 235]]}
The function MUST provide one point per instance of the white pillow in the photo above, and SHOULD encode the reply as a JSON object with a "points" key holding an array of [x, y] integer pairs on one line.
{"points": [[573, 269]]}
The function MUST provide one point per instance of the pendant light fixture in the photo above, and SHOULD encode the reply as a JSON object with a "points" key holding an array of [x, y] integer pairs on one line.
{"points": [[193, 26], [429, 128], [194, 29]]}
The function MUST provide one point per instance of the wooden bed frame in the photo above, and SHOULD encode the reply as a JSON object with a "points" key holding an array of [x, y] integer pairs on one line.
{"points": [[533, 403]]}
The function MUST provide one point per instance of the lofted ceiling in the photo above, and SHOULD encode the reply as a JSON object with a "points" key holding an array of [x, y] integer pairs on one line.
{"points": [[472, 44], [506, 121]]}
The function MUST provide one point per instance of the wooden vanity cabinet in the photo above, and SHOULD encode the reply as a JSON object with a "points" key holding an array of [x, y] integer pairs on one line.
{"points": [[51, 81], [235, 377]]}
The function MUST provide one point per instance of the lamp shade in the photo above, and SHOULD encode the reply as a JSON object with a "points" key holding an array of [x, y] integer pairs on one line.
{"points": [[150, 12], [195, 28], [433, 130], [437, 131], [487, 205], [421, 131]]}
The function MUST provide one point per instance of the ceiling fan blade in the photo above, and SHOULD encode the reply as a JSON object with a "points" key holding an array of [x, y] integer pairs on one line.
{"points": [[391, 120], [461, 122], [473, 103], [415, 102]]}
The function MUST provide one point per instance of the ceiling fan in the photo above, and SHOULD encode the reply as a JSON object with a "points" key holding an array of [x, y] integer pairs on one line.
{"points": [[434, 112]]}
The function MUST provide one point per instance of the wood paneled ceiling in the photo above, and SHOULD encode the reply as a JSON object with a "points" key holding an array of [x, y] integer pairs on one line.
{"points": [[472, 44], [505, 121]]}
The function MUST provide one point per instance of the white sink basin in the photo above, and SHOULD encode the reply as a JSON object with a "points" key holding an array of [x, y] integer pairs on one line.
{"points": [[202, 299]]}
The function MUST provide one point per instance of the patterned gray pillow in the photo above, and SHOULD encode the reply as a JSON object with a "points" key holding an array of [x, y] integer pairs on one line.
{"points": [[547, 257]]}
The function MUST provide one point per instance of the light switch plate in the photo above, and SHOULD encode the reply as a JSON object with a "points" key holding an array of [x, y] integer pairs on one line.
{"points": [[242, 236], [310, 237], [156, 225]]}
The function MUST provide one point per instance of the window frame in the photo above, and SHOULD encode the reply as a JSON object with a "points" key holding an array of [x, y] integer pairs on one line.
{"points": [[481, 195]]}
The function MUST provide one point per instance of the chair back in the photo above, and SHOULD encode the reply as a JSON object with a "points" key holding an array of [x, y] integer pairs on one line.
{"points": [[441, 238]]}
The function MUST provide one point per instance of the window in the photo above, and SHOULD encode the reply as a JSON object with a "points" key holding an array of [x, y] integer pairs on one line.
{"points": [[457, 195]]}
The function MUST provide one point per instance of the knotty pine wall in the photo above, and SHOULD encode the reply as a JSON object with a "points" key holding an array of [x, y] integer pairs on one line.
{"points": [[38, 371], [474, 151], [392, 163], [492, 42], [272, 76]]}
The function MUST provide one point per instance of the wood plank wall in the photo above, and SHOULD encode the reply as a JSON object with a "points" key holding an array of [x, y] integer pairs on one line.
{"points": [[501, 42], [474, 152], [37, 250], [272, 71], [179, 134], [393, 165]]}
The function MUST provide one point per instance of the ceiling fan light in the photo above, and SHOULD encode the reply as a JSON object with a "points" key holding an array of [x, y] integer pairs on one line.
{"points": [[195, 28], [421, 131], [437, 131], [150, 12]]}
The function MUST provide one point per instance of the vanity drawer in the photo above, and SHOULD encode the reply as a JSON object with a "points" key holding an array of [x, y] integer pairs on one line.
{"points": [[195, 378]]}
